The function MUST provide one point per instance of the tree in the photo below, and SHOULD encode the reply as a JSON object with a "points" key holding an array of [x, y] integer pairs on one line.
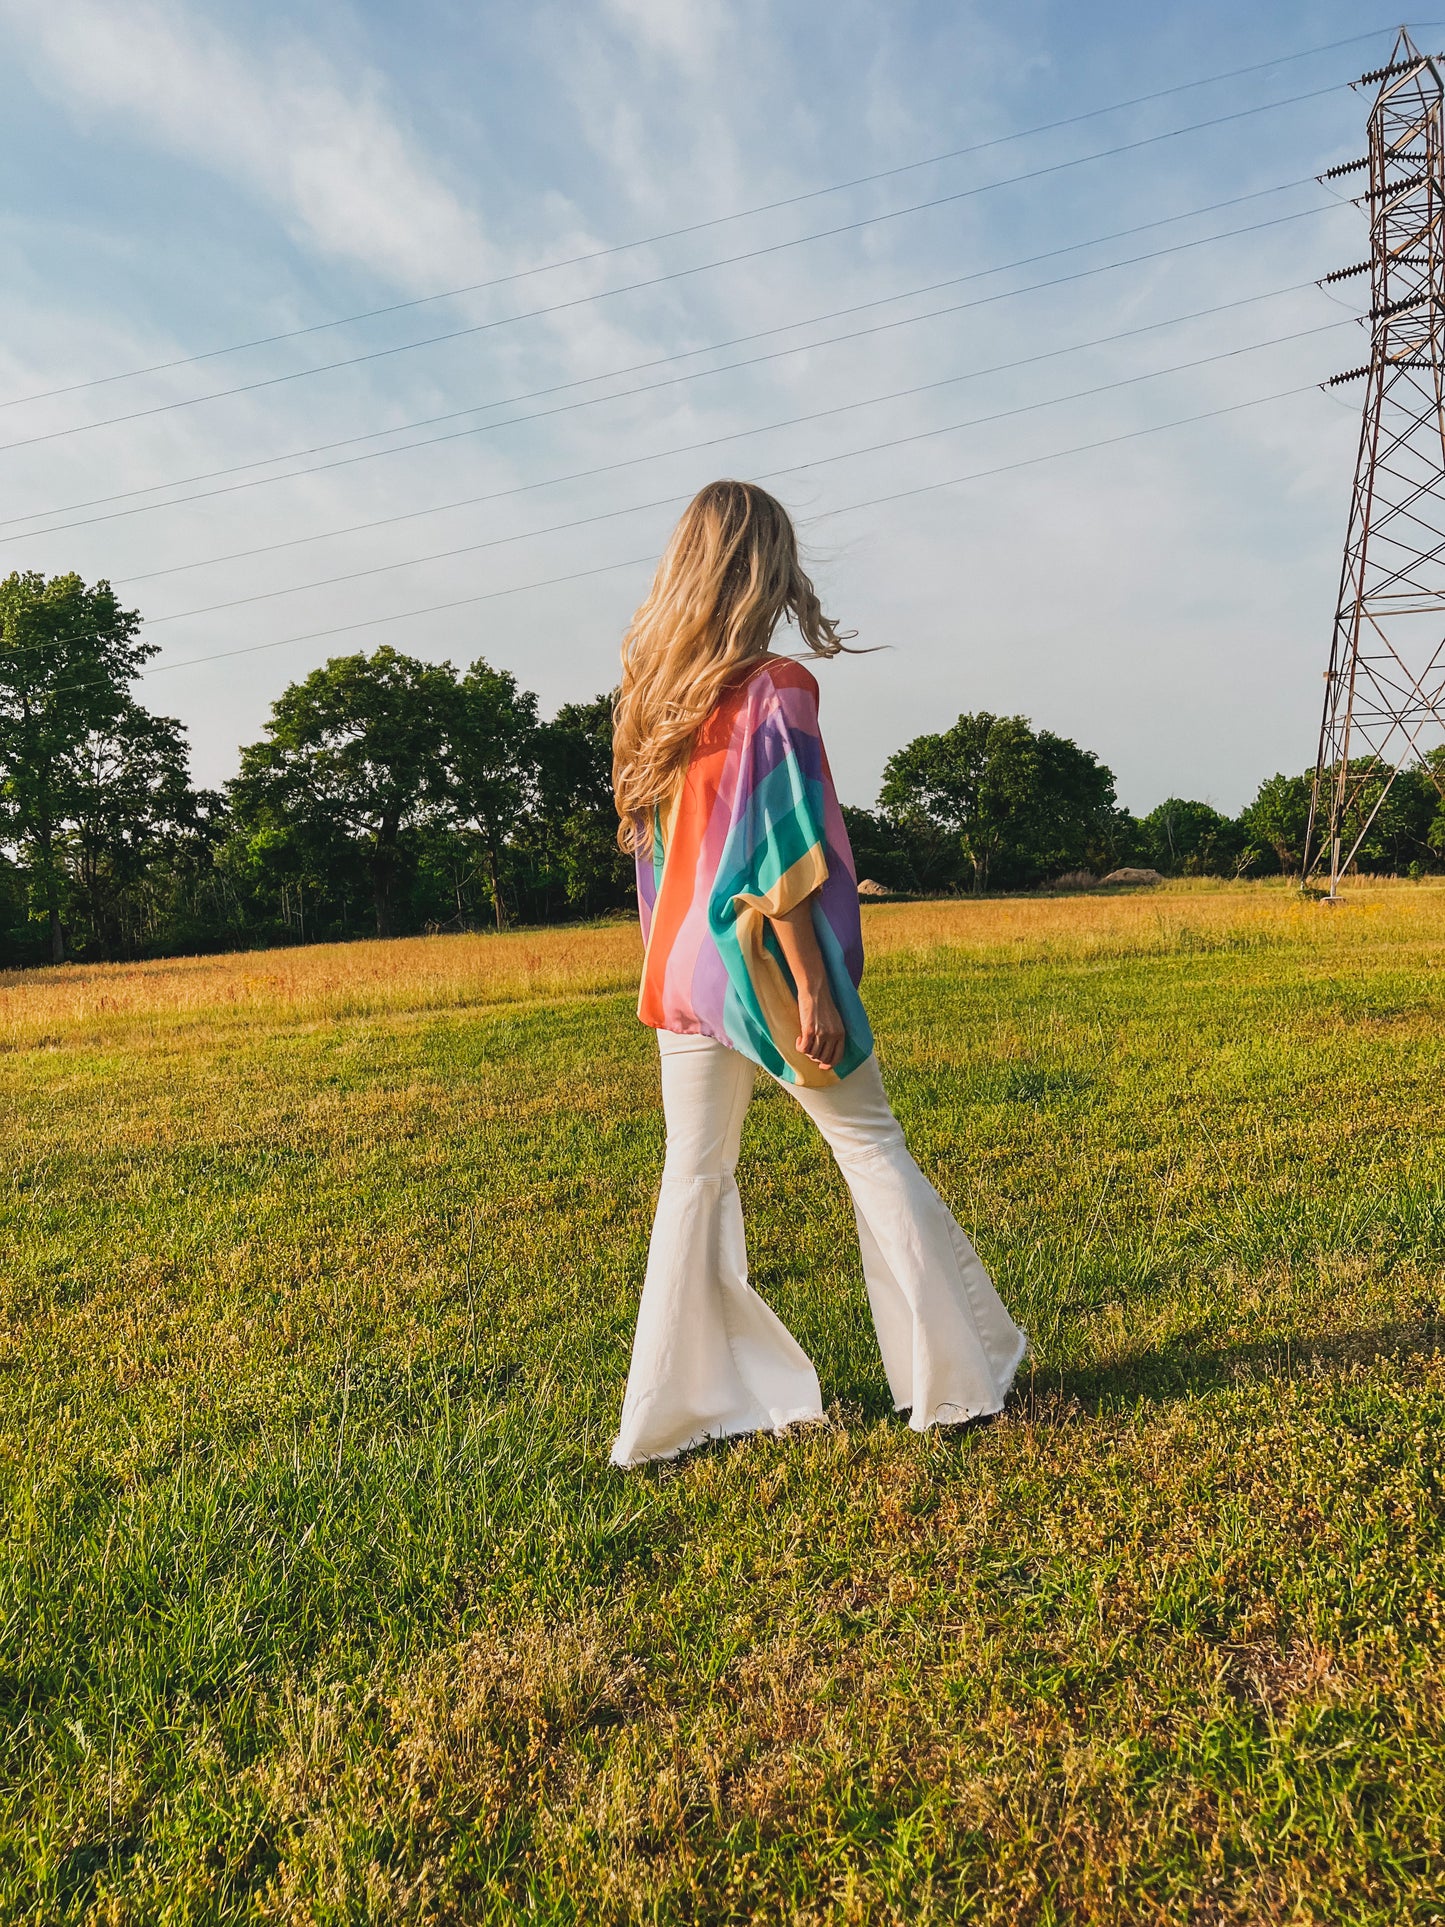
{"points": [[1406, 826], [1073, 818], [68, 655], [1015, 805], [568, 847], [1397, 840], [1184, 838], [1274, 824], [880, 849], [131, 806], [491, 753], [13, 912], [968, 786], [353, 757], [1397, 810]]}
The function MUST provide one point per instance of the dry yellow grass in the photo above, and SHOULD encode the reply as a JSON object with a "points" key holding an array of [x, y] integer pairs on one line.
{"points": [[100, 1003], [97, 1003]]}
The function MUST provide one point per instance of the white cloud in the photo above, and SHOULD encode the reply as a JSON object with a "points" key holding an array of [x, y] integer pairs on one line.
{"points": [[278, 120], [685, 33]]}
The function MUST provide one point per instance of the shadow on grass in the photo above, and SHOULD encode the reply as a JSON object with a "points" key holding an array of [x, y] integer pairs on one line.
{"points": [[1189, 1366], [1186, 1368]]}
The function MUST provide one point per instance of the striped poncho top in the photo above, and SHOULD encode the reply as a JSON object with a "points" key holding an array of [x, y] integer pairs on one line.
{"points": [[752, 830]]}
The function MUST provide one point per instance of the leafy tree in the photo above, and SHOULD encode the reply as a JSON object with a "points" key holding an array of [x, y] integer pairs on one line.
{"points": [[1120, 838], [68, 655], [14, 913], [352, 761], [491, 757], [568, 859], [1401, 836], [1434, 772], [964, 791], [1015, 804], [131, 808], [1184, 838], [1076, 818], [1274, 824], [880, 849], [1398, 838], [185, 901]]}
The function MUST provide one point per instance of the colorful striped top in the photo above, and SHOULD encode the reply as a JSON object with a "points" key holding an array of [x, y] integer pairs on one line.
{"points": [[752, 830]]}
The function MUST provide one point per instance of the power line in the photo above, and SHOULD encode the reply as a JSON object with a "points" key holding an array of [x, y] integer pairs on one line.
{"points": [[652, 281], [699, 374], [695, 227], [686, 354], [822, 461], [635, 562], [738, 434], [796, 468]]}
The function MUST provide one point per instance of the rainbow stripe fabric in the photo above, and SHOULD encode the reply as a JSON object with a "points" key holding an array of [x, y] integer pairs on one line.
{"points": [[752, 830]]}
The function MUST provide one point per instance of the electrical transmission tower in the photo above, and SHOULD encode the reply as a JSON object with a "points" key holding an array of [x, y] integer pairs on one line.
{"points": [[1385, 686]]}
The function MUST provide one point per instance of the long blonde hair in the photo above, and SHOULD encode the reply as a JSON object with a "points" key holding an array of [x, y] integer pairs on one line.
{"points": [[728, 576]]}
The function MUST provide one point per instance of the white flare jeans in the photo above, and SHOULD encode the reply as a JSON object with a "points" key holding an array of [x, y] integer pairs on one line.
{"points": [[710, 1359]]}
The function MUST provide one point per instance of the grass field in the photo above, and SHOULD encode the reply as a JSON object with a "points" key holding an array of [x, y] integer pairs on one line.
{"points": [[319, 1602]]}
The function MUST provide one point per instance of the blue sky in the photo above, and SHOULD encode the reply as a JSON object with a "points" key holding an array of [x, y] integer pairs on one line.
{"points": [[180, 177]]}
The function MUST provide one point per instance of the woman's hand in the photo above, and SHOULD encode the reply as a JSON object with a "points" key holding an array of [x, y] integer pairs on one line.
{"points": [[821, 1036]]}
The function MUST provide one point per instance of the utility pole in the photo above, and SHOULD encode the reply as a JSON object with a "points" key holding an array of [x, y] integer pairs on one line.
{"points": [[1385, 686]]}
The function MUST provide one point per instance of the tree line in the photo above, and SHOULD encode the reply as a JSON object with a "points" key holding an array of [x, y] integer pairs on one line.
{"points": [[390, 796]]}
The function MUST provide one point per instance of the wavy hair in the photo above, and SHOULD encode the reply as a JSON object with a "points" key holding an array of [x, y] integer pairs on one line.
{"points": [[729, 574]]}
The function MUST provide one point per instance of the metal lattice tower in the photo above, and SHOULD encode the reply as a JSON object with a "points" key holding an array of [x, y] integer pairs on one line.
{"points": [[1385, 686]]}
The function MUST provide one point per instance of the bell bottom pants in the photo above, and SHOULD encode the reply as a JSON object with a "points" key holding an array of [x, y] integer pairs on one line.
{"points": [[710, 1359]]}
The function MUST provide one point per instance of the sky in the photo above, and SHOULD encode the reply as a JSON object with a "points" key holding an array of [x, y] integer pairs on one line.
{"points": [[842, 247]]}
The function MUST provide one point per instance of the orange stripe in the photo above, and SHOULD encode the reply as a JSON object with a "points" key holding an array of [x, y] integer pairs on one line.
{"points": [[680, 859]]}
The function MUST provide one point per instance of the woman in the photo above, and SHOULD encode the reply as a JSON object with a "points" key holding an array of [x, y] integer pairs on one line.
{"points": [[754, 953]]}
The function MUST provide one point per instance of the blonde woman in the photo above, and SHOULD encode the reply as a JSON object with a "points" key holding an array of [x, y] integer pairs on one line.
{"points": [[754, 953]]}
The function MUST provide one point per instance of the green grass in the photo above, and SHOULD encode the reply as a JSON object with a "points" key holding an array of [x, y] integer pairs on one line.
{"points": [[319, 1602]]}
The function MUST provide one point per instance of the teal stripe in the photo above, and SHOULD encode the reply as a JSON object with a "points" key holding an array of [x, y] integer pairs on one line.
{"points": [[781, 825], [659, 851], [743, 1018], [768, 838], [859, 1032]]}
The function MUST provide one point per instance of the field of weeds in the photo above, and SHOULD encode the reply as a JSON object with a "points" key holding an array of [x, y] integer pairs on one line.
{"points": [[318, 1599]]}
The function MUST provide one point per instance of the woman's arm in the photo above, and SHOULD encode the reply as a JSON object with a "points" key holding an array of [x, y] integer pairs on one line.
{"points": [[821, 1034]]}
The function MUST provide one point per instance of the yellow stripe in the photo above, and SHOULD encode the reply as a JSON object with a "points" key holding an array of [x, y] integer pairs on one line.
{"points": [[797, 883], [777, 1002]]}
